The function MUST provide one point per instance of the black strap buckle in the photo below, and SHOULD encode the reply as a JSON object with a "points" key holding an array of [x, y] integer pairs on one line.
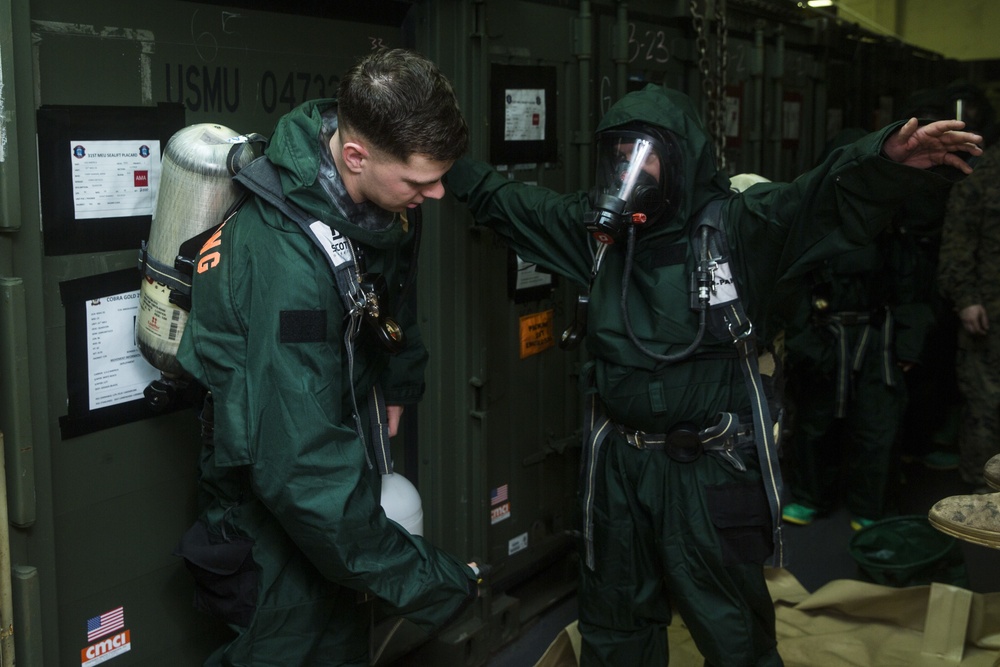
{"points": [[683, 444]]}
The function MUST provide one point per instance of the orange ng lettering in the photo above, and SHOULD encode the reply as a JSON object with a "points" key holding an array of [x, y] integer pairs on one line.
{"points": [[206, 259]]}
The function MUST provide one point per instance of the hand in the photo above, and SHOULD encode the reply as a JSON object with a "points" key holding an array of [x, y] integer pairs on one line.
{"points": [[935, 143], [974, 319], [482, 572], [393, 413]]}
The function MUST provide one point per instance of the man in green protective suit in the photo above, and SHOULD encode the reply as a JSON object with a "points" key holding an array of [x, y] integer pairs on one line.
{"points": [[292, 539], [860, 328], [860, 325], [681, 486]]}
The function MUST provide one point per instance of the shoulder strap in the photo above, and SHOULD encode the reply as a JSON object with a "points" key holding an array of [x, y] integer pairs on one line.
{"points": [[728, 318], [261, 178], [726, 315]]}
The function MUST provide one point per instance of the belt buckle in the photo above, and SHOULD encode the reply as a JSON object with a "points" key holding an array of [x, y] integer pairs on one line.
{"points": [[683, 444], [636, 436], [730, 454]]}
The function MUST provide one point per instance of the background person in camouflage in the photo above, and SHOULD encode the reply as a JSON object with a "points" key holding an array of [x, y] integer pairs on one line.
{"points": [[929, 432], [969, 275]]}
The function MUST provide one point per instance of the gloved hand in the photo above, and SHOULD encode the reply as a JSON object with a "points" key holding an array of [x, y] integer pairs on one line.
{"points": [[482, 571]]}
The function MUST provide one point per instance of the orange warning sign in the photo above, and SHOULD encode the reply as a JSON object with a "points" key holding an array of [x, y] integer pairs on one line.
{"points": [[536, 333]]}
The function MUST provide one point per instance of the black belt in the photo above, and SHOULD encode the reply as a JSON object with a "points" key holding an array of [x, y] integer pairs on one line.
{"points": [[847, 318], [685, 444]]}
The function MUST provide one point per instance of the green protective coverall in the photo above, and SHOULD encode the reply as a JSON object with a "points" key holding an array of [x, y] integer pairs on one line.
{"points": [[696, 534], [863, 315], [291, 534]]}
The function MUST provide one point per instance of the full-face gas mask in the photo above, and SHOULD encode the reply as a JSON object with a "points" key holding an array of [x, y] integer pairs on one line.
{"points": [[637, 181], [638, 184]]}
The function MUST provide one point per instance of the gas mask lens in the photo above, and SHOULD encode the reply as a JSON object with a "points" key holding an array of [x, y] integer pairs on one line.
{"points": [[634, 159], [629, 188]]}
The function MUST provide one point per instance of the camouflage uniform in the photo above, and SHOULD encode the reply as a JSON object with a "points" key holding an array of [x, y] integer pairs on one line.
{"points": [[969, 274]]}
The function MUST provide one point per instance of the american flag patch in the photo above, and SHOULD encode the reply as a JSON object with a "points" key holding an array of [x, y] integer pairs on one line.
{"points": [[106, 623], [498, 495]]}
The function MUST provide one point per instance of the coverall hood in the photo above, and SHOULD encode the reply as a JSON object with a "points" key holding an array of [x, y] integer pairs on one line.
{"points": [[295, 148], [674, 112]]}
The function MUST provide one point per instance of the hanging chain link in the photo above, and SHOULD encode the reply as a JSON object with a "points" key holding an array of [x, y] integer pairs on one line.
{"points": [[721, 63], [713, 80], [700, 22]]}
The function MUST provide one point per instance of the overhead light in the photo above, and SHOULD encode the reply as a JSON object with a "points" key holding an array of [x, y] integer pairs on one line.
{"points": [[820, 3]]}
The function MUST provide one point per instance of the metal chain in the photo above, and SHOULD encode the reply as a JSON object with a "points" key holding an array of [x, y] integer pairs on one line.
{"points": [[721, 63], [712, 83], [700, 22]]}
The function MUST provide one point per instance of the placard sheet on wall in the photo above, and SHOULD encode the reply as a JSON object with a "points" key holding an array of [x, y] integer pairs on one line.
{"points": [[99, 172], [106, 375]]}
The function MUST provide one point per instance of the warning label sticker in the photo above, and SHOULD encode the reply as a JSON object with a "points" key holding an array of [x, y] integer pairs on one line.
{"points": [[536, 333]]}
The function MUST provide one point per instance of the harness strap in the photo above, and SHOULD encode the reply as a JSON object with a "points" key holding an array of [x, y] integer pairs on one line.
{"points": [[729, 318], [161, 273], [380, 430], [261, 178], [765, 432], [597, 426], [837, 323]]}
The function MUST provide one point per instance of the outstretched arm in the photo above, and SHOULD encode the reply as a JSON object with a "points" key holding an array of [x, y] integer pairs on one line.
{"points": [[924, 146]]}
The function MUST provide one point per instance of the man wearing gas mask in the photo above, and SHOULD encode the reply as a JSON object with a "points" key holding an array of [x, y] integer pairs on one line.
{"points": [[681, 487]]}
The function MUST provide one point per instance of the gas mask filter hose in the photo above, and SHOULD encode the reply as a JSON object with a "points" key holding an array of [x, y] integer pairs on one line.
{"points": [[703, 308]]}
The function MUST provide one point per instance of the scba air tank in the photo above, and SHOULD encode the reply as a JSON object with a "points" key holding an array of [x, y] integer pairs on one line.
{"points": [[196, 189], [401, 503]]}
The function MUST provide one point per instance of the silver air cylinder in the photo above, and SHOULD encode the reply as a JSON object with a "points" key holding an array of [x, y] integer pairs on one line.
{"points": [[196, 189]]}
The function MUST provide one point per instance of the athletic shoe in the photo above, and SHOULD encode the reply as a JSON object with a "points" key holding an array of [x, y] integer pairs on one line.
{"points": [[857, 523], [798, 514], [941, 459]]}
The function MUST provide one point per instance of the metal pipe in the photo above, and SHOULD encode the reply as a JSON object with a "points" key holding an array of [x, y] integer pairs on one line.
{"points": [[621, 50], [15, 410], [479, 52], [757, 77], [10, 202], [478, 433], [6, 590], [584, 55], [820, 104], [778, 131], [28, 602]]}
